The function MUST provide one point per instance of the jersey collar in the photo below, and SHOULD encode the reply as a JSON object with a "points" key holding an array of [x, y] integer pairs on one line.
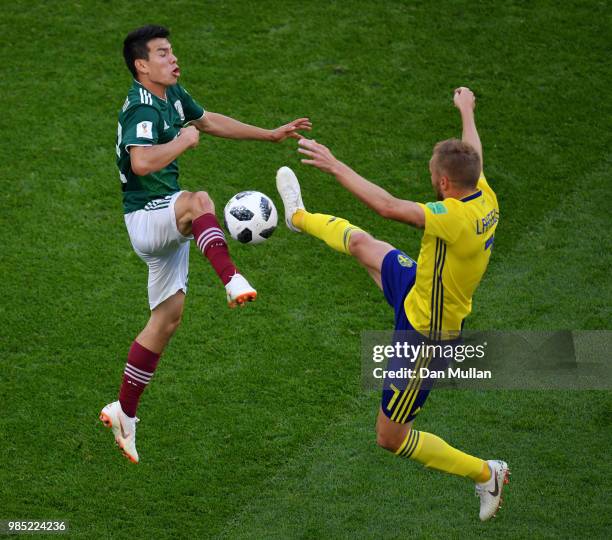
{"points": [[472, 196], [165, 100]]}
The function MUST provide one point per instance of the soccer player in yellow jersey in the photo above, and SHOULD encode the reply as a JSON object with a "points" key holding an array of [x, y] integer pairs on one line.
{"points": [[432, 296]]}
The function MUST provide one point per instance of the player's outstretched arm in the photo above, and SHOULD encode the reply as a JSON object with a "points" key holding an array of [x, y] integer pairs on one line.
{"points": [[378, 199], [148, 159], [465, 101], [220, 125]]}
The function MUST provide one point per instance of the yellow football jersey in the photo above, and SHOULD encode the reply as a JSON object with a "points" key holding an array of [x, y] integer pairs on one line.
{"points": [[455, 252]]}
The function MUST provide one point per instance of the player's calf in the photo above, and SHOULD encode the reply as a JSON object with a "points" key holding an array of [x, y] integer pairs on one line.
{"points": [[390, 435], [211, 241]]}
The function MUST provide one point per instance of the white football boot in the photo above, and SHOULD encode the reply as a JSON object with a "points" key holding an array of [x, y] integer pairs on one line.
{"points": [[490, 492], [239, 291], [124, 429], [289, 190]]}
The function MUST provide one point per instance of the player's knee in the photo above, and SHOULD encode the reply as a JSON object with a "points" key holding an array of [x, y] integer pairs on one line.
{"points": [[174, 323], [359, 242], [202, 203], [169, 323]]}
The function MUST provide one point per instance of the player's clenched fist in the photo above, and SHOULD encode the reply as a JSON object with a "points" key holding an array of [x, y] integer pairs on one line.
{"points": [[191, 135], [464, 98]]}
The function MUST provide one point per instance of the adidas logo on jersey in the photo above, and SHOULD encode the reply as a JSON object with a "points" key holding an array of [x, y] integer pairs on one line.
{"points": [[145, 97]]}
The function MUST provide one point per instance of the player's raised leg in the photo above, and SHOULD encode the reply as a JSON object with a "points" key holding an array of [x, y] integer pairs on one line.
{"points": [[335, 231], [195, 214]]}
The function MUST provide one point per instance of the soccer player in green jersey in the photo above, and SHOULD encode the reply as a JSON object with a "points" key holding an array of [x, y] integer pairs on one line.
{"points": [[159, 121], [431, 297]]}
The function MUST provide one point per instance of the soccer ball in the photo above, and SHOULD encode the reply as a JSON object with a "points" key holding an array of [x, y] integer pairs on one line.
{"points": [[250, 217]]}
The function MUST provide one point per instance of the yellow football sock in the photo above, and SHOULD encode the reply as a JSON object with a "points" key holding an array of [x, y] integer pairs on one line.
{"points": [[435, 453], [334, 231]]}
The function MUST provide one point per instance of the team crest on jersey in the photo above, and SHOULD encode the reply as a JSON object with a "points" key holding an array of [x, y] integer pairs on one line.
{"points": [[144, 130], [179, 109], [404, 260]]}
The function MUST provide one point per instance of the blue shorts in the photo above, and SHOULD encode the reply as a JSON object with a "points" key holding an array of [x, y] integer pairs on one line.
{"points": [[404, 396]]}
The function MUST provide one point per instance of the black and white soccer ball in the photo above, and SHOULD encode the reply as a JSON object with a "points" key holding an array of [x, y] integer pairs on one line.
{"points": [[250, 217]]}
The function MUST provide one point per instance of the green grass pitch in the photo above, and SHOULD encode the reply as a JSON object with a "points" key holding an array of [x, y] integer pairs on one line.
{"points": [[255, 425]]}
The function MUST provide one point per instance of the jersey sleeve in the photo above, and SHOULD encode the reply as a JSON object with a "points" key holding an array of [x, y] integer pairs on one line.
{"points": [[443, 219], [140, 127], [191, 108]]}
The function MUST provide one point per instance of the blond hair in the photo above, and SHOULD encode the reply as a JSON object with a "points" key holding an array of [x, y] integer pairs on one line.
{"points": [[458, 161]]}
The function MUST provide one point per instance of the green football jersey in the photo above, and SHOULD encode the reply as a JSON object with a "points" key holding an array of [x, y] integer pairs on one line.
{"points": [[146, 120]]}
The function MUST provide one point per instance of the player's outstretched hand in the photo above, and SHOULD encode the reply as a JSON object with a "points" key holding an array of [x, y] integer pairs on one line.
{"points": [[291, 130], [320, 156], [190, 135], [464, 98]]}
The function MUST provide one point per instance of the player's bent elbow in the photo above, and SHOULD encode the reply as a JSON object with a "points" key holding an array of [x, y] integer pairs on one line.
{"points": [[138, 162], [418, 220], [413, 214], [139, 170], [141, 166]]}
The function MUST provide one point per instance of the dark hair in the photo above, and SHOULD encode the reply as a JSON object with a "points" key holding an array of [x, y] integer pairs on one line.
{"points": [[135, 44], [459, 161]]}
